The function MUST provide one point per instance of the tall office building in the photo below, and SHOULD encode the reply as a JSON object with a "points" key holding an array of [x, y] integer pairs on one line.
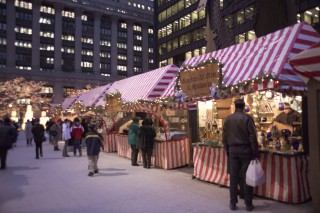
{"points": [[182, 32], [73, 43]]}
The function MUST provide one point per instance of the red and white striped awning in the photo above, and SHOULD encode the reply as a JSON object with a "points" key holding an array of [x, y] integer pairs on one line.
{"points": [[307, 63], [267, 55], [146, 86]]}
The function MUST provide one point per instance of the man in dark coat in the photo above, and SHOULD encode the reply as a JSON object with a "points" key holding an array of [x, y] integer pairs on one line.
{"points": [[8, 136], [240, 142], [146, 137], [38, 136], [93, 143]]}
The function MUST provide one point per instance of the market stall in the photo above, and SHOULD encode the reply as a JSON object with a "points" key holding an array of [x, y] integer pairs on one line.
{"points": [[259, 71], [136, 95]]}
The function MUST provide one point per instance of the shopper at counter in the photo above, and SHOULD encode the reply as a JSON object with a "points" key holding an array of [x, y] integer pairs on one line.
{"points": [[240, 142], [146, 137], [133, 141]]}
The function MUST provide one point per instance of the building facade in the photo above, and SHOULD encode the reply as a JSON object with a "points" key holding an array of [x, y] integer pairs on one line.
{"points": [[182, 33], [73, 43]]}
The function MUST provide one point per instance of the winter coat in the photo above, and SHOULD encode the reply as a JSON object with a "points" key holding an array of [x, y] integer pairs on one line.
{"points": [[38, 132], [8, 135], [66, 131], [133, 133], [239, 134], [77, 131], [146, 137], [28, 129], [56, 127], [93, 143]]}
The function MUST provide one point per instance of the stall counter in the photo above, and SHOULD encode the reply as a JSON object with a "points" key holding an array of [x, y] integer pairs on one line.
{"points": [[166, 154], [286, 174], [109, 142]]}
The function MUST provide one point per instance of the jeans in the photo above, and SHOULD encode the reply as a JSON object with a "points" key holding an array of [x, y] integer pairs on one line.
{"points": [[134, 154], [238, 167], [77, 145], [3, 156], [93, 163], [38, 149], [146, 157]]}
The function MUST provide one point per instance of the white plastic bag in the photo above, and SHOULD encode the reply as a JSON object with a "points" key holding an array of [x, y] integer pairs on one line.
{"points": [[255, 174]]}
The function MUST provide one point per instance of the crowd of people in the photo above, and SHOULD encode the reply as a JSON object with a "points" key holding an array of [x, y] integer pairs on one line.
{"points": [[79, 135]]}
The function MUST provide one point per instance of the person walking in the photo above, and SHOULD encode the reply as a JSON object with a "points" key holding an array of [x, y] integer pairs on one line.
{"points": [[240, 142], [38, 136], [66, 136], [93, 142], [8, 135], [55, 133], [49, 124], [133, 140], [146, 137], [28, 132], [76, 132]]}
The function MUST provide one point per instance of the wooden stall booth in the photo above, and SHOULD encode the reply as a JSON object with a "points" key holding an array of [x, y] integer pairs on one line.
{"points": [[259, 71]]}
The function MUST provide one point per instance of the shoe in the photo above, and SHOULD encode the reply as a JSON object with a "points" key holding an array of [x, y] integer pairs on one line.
{"points": [[249, 208], [37, 157], [135, 164], [90, 174], [96, 171], [233, 207]]}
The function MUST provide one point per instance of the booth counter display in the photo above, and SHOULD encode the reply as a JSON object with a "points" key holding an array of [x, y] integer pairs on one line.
{"points": [[286, 174], [166, 154], [109, 142]]}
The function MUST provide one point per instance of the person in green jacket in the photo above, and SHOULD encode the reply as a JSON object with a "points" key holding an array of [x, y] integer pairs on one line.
{"points": [[133, 140]]}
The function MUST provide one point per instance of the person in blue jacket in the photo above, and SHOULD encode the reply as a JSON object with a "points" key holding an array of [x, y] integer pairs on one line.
{"points": [[94, 143]]}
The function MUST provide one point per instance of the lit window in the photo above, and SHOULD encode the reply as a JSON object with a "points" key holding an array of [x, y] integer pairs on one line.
{"points": [[84, 18], [45, 9], [3, 1], [23, 30], [87, 40], [138, 37], [121, 68], [137, 48], [122, 45], [47, 34], [105, 55], [24, 44], [23, 4], [122, 57], [150, 31], [87, 52], [137, 28], [68, 14], [150, 50], [45, 21], [50, 60], [86, 64], [3, 41], [47, 89], [123, 25], [67, 50], [68, 37], [105, 43], [46, 47]]}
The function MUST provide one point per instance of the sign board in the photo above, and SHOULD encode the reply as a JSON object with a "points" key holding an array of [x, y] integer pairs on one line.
{"points": [[198, 82], [113, 104]]}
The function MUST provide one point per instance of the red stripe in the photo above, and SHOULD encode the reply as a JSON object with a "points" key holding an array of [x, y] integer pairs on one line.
{"points": [[218, 168], [281, 180], [306, 61], [302, 174], [167, 77], [207, 164], [309, 33], [223, 165], [163, 83], [203, 153], [212, 163], [290, 186], [304, 41], [158, 90], [265, 167], [298, 178], [273, 176]]}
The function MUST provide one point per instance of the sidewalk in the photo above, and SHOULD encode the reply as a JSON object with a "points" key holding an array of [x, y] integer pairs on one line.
{"points": [[54, 184]]}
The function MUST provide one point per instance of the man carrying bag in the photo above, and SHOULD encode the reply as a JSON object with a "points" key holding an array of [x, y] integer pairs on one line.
{"points": [[240, 142]]}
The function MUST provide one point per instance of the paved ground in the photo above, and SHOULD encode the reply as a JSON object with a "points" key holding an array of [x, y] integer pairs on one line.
{"points": [[60, 185]]}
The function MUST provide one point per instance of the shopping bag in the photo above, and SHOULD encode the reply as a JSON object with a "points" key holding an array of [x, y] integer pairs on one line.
{"points": [[255, 174]]}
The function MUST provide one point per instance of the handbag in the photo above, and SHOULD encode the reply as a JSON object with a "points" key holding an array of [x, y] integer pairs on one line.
{"points": [[255, 175]]}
